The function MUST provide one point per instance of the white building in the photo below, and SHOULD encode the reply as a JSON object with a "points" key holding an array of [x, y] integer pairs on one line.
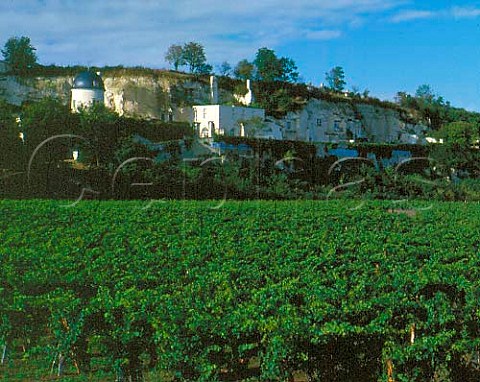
{"points": [[246, 99], [239, 121], [87, 90]]}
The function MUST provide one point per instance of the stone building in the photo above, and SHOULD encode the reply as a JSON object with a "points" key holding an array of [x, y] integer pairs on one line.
{"points": [[87, 89], [210, 120], [237, 121]]}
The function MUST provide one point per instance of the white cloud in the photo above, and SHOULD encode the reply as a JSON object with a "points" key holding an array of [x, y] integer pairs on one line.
{"points": [[454, 12], [322, 34], [465, 12], [410, 15], [133, 32]]}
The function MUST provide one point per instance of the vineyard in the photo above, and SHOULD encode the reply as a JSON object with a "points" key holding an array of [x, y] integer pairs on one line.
{"points": [[258, 291]]}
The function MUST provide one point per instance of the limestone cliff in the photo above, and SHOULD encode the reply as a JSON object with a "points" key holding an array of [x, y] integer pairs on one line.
{"points": [[326, 121], [150, 96], [169, 96]]}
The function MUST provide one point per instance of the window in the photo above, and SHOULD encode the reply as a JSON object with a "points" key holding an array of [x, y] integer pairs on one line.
{"points": [[319, 122], [204, 113]]}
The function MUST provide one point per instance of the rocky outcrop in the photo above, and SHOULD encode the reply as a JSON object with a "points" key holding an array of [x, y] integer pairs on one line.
{"points": [[16, 90], [150, 96], [325, 121], [169, 96]]}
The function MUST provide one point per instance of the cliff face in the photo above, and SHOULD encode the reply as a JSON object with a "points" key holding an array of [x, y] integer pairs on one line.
{"points": [[17, 90], [324, 121], [170, 97], [142, 95]]}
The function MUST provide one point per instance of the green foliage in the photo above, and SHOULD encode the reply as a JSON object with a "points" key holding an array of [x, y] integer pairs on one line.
{"points": [[244, 70], [10, 142], [289, 70], [225, 69], [426, 93], [269, 68], [42, 124], [99, 126], [461, 133], [451, 158], [175, 56], [19, 54], [326, 288], [241, 89], [336, 79], [154, 130], [114, 71], [194, 57], [278, 98], [191, 54], [433, 110]]}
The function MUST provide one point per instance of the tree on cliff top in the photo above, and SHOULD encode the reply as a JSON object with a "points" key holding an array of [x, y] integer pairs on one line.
{"points": [[336, 79], [194, 56], [225, 69], [174, 56], [191, 54], [19, 54], [271, 68], [244, 70]]}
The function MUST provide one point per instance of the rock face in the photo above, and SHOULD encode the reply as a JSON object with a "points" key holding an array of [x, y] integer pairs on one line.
{"points": [[170, 98], [324, 121], [143, 95], [16, 90]]}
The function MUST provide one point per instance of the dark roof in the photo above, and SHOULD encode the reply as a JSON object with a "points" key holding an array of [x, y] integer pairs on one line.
{"points": [[88, 80]]}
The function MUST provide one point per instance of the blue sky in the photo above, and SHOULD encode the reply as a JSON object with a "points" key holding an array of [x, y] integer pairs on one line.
{"points": [[383, 45]]}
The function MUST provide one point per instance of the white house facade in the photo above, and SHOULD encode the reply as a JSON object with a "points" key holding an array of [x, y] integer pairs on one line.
{"points": [[239, 121], [88, 89]]}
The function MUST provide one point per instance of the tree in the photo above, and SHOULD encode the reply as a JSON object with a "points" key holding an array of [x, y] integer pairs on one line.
{"points": [[174, 56], [10, 142], [271, 68], [204, 69], [194, 57], [336, 79], [225, 69], [431, 106], [426, 93], [244, 70], [98, 125], [19, 54], [459, 133], [289, 70], [44, 119]]}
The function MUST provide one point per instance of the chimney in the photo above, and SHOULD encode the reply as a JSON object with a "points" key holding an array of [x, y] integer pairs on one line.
{"points": [[213, 90], [249, 96]]}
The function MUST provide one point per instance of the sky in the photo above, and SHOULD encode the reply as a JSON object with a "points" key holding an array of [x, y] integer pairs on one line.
{"points": [[384, 46]]}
